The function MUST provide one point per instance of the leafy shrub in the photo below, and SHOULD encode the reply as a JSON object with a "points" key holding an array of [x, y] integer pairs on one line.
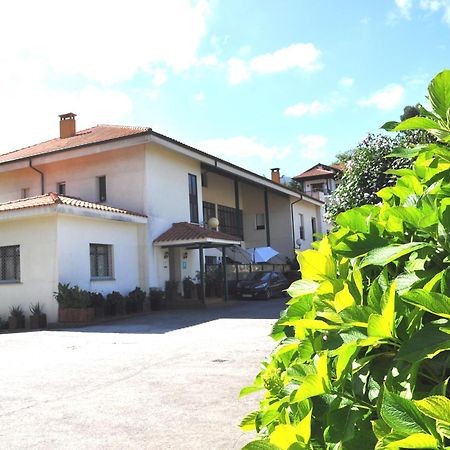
{"points": [[366, 170], [72, 297], [364, 345], [36, 309], [16, 311]]}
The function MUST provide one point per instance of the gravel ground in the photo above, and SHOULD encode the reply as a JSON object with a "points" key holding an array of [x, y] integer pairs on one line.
{"points": [[169, 380]]}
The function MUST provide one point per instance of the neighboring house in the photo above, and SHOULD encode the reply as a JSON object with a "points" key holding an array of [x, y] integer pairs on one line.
{"points": [[319, 180], [115, 207]]}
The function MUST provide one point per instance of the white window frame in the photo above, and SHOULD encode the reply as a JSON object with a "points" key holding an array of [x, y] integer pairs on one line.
{"points": [[95, 267]]}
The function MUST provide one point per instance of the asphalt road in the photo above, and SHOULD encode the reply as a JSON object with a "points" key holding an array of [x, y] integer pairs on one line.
{"points": [[169, 380]]}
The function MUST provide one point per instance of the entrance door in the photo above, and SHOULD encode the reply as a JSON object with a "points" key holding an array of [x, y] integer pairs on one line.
{"points": [[175, 265]]}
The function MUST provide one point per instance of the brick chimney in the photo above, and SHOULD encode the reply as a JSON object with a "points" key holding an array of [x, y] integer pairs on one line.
{"points": [[67, 126], [276, 175]]}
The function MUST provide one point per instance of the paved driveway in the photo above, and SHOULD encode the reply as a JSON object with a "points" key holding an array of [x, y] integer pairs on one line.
{"points": [[165, 381]]}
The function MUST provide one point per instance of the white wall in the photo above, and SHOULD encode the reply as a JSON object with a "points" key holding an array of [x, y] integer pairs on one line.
{"points": [[253, 203], [38, 269], [167, 202], [74, 236], [308, 210], [124, 171]]}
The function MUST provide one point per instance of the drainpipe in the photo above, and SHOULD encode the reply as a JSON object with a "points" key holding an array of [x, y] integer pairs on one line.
{"points": [[292, 220], [41, 173]]}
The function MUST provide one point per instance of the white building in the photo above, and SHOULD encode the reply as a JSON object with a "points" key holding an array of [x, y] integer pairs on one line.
{"points": [[94, 208]]}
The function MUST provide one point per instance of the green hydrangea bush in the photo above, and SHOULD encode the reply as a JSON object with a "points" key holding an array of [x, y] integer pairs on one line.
{"points": [[362, 360]]}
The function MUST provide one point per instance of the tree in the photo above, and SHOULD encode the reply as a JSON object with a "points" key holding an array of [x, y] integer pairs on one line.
{"points": [[367, 169], [363, 352]]}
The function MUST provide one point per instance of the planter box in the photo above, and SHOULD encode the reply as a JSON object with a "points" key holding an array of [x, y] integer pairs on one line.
{"points": [[39, 321], [14, 323], [76, 315]]}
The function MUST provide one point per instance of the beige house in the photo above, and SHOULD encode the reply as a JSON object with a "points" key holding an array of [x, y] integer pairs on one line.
{"points": [[90, 207]]}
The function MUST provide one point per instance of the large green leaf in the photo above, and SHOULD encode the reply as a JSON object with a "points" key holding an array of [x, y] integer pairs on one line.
{"points": [[415, 123], [415, 440], [436, 407], [248, 422], [439, 93], [260, 445], [401, 414], [357, 219], [302, 287], [433, 302], [385, 255], [426, 343]]}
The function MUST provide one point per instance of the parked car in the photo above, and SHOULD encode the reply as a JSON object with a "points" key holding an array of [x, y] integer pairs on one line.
{"points": [[262, 284]]}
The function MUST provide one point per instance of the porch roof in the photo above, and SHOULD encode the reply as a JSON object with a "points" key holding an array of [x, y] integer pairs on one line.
{"points": [[185, 234]]}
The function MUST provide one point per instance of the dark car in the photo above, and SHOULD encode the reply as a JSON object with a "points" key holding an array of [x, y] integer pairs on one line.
{"points": [[262, 284]]}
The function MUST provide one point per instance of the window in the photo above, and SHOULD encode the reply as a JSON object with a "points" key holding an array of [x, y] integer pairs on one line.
{"points": [[24, 192], [302, 226], [10, 263], [102, 188], [204, 179], [317, 187], [314, 227], [228, 221], [260, 222], [101, 260], [61, 188], [193, 198], [209, 210]]}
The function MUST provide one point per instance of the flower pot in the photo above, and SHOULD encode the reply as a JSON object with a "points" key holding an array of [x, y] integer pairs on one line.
{"points": [[38, 321], [76, 315], [15, 323]]}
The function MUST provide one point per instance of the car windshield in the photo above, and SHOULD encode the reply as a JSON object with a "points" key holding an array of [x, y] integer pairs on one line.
{"points": [[258, 276]]}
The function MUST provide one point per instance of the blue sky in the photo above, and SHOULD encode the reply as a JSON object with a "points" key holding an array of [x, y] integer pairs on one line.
{"points": [[260, 83]]}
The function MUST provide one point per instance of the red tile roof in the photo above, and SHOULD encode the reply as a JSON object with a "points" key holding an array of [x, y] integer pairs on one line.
{"points": [[315, 173], [100, 133], [185, 231], [55, 199]]}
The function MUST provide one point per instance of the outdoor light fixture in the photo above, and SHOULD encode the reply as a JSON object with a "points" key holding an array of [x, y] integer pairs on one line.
{"points": [[213, 223], [166, 255], [185, 255]]}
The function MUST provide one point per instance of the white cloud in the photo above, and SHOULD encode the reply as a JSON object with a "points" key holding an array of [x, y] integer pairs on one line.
{"points": [[313, 146], [296, 56], [242, 150], [105, 41], [237, 71], [159, 77], [305, 57], [437, 5], [347, 82], [61, 59], [385, 99], [314, 108], [404, 6], [38, 121], [200, 97]]}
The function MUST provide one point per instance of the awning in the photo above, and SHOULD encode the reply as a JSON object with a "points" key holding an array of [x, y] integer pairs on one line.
{"points": [[191, 235]]}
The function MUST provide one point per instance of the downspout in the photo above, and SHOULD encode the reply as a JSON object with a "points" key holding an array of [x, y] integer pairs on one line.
{"points": [[292, 220], [39, 172]]}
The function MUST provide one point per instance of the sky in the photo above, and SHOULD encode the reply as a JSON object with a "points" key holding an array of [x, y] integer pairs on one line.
{"points": [[259, 83]]}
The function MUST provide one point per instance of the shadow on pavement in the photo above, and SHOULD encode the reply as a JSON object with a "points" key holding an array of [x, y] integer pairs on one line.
{"points": [[160, 322]]}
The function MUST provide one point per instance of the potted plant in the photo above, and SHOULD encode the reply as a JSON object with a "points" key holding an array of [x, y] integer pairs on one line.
{"points": [[137, 296], [157, 300], [74, 304], [171, 290], [98, 303], [116, 303], [38, 318], [188, 287], [16, 318]]}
